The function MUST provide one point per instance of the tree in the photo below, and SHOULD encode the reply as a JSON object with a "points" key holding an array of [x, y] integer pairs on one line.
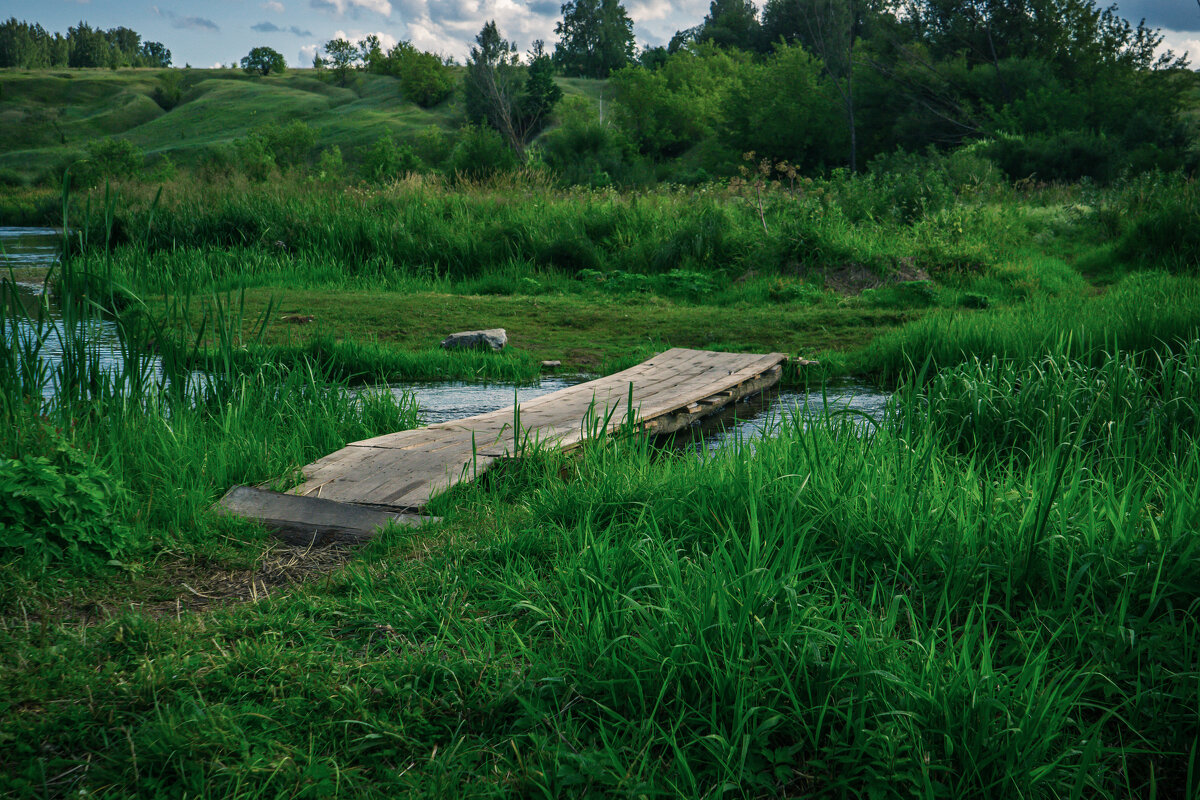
{"points": [[341, 57], [425, 78], [732, 23], [154, 54], [510, 98], [264, 61], [595, 37], [89, 48]]}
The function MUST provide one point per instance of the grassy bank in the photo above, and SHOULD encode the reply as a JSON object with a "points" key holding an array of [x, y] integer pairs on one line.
{"points": [[926, 608]]}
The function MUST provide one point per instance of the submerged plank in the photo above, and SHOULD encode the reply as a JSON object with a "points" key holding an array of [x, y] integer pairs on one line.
{"points": [[311, 521]]}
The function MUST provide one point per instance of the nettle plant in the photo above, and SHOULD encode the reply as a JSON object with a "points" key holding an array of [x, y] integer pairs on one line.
{"points": [[60, 506]]}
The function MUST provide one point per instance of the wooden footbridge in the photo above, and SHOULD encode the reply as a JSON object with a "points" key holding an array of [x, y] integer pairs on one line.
{"points": [[349, 494]]}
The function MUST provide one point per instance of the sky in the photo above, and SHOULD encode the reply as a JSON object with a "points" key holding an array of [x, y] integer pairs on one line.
{"points": [[213, 32]]}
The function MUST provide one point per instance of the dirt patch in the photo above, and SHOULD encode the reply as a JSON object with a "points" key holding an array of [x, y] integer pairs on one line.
{"points": [[280, 566], [854, 278]]}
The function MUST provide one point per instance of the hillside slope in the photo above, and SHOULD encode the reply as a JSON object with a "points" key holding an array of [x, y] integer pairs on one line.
{"points": [[47, 117]]}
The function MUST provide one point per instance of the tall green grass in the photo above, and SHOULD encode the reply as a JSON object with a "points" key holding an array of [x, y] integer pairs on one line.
{"points": [[1142, 314], [423, 228], [112, 450], [843, 609]]}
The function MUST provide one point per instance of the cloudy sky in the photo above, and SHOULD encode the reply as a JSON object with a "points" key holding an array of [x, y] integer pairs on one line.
{"points": [[221, 31]]}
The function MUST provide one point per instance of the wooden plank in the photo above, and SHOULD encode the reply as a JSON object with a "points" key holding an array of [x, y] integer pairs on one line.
{"points": [[405, 469], [308, 521]]}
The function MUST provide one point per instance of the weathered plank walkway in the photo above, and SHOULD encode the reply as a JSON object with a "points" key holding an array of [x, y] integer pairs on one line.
{"points": [[400, 472]]}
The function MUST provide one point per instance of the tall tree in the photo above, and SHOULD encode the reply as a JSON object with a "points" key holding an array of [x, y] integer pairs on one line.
{"points": [[595, 37], [340, 57], [503, 93], [732, 23], [263, 61]]}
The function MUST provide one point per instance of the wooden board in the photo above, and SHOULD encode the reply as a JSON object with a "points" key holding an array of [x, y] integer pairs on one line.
{"points": [[310, 521], [404, 470]]}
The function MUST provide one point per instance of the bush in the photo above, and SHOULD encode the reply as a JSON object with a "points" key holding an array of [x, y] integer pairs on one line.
{"points": [[585, 151], [480, 152], [106, 159], [385, 160], [169, 91], [1167, 234], [330, 165], [1063, 157], [60, 507]]}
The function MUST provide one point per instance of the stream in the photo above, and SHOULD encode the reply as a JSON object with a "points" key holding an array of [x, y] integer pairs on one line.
{"points": [[29, 251]]}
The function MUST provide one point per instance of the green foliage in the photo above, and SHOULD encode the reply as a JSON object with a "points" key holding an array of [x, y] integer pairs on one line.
{"points": [[60, 506], [30, 46], [424, 77], [500, 92], [732, 23], [595, 37], [330, 166], [585, 151], [668, 110], [784, 109], [270, 146], [386, 160], [480, 153], [341, 58], [1165, 234], [108, 159], [169, 91], [263, 61]]}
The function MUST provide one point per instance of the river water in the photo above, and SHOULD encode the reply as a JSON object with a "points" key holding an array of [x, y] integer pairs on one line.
{"points": [[28, 250]]}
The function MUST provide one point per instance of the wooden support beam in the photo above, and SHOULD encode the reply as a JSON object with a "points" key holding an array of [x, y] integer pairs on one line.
{"points": [[311, 521]]}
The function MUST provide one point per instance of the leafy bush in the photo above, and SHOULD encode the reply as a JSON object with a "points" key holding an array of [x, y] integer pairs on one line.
{"points": [[330, 165], [108, 158], [385, 160], [169, 91], [59, 507], [425, 79], [289, 144], [1061, 156], [480, 152], [1167, 234], [585, 151]]}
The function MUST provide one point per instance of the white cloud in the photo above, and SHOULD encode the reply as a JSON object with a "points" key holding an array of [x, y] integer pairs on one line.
{"points": [[273, 5], [1182, 42], [353, 7], [307, 53]]}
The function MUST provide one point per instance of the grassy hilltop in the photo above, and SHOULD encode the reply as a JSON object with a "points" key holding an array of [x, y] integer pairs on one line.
{"points": [[47, 117]]}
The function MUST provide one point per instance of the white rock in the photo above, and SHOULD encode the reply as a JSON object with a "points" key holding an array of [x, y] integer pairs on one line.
{"points": [[495, 338]]}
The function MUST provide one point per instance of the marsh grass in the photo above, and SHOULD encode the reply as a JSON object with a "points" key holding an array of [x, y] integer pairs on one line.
{"points": [[840, 609], [109, 389]]}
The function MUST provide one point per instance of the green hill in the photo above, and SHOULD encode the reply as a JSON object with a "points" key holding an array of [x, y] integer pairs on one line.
{"points": [[47, 117]]}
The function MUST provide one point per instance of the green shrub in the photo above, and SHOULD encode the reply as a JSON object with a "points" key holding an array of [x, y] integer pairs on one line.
{"points": [[289, 144], [480, 152], [169, 91], [60, 506], [1062, 156], [1166, 235], [330, 165], [107, 159], [385, 160]]}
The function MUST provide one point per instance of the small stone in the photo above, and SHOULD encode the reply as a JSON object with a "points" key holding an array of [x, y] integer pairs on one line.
{"points": [[551, 364], [495, 338]]}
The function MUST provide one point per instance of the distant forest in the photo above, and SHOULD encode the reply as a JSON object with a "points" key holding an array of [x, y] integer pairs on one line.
{"points": [[30, 46], [1060, 89]]}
